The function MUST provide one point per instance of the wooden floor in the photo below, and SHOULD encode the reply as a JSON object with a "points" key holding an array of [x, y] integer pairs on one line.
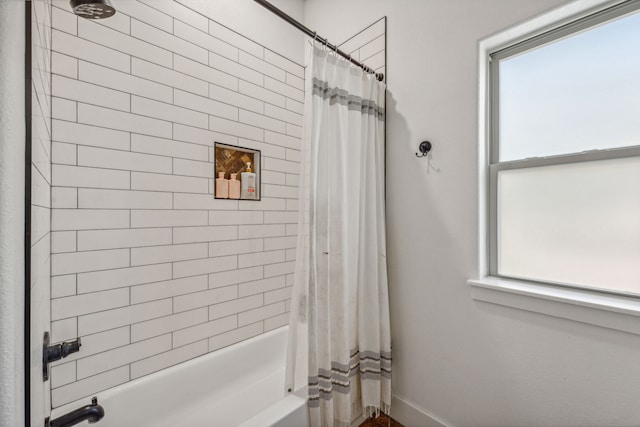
{"points": [[381, 421]]}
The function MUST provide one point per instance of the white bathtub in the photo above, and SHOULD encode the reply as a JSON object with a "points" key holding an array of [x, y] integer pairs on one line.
{"points": [[238, 386]]}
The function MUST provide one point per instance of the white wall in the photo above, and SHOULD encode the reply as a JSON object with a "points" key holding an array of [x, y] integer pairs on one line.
{"points": [[466, 362], [12, 149]]}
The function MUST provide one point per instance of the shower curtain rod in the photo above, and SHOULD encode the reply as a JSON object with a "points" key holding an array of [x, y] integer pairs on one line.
{"points": [[314, 35]]}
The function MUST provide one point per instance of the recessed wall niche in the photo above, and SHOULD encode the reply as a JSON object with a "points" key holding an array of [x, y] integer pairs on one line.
{"points": [[237, 172]]}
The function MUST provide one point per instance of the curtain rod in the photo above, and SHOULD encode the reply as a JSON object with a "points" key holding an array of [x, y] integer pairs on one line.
{"points": [[314, 35]]}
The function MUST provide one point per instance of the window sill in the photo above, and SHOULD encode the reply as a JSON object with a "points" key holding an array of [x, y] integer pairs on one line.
{"points": [[608, 311]]}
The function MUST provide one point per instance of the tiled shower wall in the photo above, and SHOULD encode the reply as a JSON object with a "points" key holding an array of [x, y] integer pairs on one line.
{"points": [[147, 267], [369, 46], [40, 199]]}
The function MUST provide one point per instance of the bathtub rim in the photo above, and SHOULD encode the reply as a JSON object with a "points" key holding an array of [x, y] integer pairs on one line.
{"points": [[187, 365]]}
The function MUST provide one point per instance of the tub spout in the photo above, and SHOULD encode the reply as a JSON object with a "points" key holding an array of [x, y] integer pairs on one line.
{"points": [[92, 413]]}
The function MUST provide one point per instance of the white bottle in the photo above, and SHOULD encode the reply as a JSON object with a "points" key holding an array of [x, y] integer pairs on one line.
{"points": [[222, 186], [248, 179], [234, 187]]}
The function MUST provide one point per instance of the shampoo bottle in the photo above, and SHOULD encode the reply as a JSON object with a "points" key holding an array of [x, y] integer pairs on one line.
{"points": [[234, 187], [248, 179], [222, 186]]}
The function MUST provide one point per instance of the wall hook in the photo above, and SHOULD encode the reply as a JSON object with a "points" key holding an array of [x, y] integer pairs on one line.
{"points": [[424, 147]]}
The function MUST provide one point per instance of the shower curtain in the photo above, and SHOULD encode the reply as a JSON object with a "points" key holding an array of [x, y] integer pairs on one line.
{"points": [[339, 331]]}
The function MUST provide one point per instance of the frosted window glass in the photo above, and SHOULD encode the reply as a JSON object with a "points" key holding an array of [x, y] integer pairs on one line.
{"points": [[575, 223], [576, 94]]}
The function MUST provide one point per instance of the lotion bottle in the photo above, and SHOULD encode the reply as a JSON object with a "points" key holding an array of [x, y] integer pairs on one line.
{"points": [[248, 179], [222, 186], [234, 187]]}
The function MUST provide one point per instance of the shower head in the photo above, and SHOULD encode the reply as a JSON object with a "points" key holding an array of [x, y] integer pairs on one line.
{"points": [[92, 9]]}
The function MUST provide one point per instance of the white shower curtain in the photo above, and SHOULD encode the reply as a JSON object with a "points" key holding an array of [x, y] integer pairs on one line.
{"points": [[339, 333]]}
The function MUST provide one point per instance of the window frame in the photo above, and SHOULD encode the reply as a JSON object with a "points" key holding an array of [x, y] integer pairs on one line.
{"points": [[492, 154]]}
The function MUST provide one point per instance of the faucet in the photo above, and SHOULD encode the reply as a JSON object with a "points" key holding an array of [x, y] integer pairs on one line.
{"points": [[92, 413]]}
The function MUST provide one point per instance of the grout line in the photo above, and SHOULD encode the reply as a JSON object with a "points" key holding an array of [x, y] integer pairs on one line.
{"points": [[280, 135], [243, 66], [61, 166]]}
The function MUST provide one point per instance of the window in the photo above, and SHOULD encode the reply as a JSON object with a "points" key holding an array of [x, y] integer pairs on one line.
{"points": [[564, 155]]}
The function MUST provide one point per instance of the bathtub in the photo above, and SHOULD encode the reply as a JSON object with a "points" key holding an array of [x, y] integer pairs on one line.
{"points": [[239, 386]]}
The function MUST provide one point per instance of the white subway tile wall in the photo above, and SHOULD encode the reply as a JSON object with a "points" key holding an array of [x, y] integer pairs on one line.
{"points": [[369, 46], [42, 240], [147, 267]]}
